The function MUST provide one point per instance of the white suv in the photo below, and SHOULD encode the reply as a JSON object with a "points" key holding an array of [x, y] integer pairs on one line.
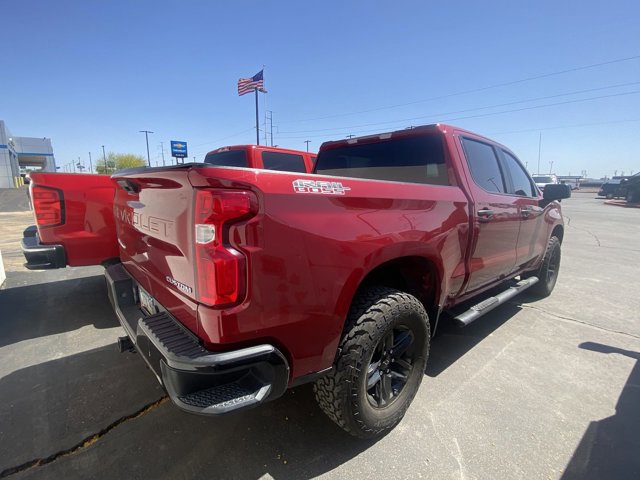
{"points": [[543, 180]]}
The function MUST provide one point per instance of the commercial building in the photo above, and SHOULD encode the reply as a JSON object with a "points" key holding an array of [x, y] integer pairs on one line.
{"points": [[17, 154]]}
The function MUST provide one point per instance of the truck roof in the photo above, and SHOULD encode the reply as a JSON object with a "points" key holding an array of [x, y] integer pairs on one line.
{"points": [[406, 132], [260, 147]]}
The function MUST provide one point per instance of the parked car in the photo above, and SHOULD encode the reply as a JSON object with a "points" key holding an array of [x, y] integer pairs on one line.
{"points": [[611, 189], [543, 180], [630, 186], [235, 284]]}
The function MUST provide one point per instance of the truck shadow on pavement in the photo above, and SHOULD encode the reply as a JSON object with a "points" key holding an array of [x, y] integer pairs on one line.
{"points": [[35, 311], [100, 414], [451, 342], [610, 447], [78, 414]]}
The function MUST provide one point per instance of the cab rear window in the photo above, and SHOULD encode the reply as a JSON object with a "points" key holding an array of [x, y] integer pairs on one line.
{"points": [[285, 162], [228, 158], [418, 159]]}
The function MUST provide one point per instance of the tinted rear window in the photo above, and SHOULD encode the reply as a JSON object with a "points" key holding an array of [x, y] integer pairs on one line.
{"points": [[285, 162], [229, 158], [417, 159]]}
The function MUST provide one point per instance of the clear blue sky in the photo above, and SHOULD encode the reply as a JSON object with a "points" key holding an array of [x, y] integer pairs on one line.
{"points": [[89, 73]]}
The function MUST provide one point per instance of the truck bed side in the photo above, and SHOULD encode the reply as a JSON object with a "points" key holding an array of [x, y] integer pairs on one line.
{"points": [[311, 244]]}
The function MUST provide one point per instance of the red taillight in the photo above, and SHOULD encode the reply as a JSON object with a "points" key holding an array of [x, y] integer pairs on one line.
{"points": [[220, 268], [47, 205]]}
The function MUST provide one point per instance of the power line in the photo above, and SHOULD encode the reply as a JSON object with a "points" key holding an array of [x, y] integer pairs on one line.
{"points": [[474, 90], [535, 99], [496, 113], [224, 138], [559, 127]]}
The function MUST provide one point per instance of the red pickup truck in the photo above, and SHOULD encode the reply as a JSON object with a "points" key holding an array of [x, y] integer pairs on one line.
{"points": [[235, 284], [256, 156]]}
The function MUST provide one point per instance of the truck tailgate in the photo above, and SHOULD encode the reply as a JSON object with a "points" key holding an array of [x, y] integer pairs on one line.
{"points": [[153, 210], [74, 211]]}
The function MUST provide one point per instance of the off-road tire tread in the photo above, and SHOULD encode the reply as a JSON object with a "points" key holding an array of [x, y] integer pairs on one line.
{"points": [[370, 312]]}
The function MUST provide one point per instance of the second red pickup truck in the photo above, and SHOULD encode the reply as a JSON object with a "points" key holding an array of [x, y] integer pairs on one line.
{"points": [[235, 284]]}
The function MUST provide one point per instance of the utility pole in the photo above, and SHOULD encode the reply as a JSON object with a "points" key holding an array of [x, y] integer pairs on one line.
{"points": [[104, 159], [270, 118], [162, 147], [539, 148], [90, 164], [551, 167], [266, 132], [307, 142], [146, 134], [350, 136]]}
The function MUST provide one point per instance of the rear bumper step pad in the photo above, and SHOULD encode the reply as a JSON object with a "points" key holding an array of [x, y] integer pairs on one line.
{"points": [[197, 380]]}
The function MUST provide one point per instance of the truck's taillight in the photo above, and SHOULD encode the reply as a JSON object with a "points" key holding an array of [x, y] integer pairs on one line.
{"points": [[47, 205], [220, 268]]}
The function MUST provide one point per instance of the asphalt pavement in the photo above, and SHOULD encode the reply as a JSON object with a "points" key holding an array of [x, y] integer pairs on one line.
{"points": [[543, 389]]}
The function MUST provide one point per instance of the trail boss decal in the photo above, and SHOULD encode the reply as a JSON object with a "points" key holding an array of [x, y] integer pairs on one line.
{"points": [[323, 188]]}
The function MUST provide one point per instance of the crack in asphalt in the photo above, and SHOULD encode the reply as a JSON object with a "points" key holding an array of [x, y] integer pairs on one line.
{"points": [[570, 319], [85, 443], [595, 237]]}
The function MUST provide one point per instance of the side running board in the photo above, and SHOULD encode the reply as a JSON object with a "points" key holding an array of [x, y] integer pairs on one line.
{"points": [[475, 312]]}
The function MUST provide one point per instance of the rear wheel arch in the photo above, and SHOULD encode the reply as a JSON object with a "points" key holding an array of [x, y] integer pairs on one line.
{"points": [[416, 275]]}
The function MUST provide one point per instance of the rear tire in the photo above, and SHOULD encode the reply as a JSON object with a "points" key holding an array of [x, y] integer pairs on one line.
{"points": [[548, 271], [380, 364]]}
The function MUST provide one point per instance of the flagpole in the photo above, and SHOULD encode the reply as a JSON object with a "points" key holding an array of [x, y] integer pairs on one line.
{"points": [[257, 120]]}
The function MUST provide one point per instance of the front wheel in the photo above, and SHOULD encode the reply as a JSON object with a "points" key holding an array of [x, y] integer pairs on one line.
{"points": [[380, 365], [548, 271]]}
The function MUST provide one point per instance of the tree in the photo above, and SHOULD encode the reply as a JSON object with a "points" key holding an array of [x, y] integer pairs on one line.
{"points": [[118, 161]]}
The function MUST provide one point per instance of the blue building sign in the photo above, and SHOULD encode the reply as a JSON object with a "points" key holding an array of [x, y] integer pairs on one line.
{"points": [[178, 149]]}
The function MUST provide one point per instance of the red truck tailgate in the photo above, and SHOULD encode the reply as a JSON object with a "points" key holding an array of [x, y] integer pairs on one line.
{"points": [[153, 210], [84, 223]]}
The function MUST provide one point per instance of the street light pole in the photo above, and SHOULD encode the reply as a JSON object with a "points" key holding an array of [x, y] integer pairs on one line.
{"points": [[104, 159], [90, 164], [539, 148], [146, 134]]}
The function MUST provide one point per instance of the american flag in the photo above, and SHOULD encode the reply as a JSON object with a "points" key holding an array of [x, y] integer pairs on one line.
{"points": [[248, 85]]}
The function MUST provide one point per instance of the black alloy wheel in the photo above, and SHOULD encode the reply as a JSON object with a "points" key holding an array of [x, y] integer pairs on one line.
{"points": [[390, 367], [554, 266]]}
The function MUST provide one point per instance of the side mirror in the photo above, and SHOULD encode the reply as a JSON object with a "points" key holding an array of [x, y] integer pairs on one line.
{"points": [[556, 191]]}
